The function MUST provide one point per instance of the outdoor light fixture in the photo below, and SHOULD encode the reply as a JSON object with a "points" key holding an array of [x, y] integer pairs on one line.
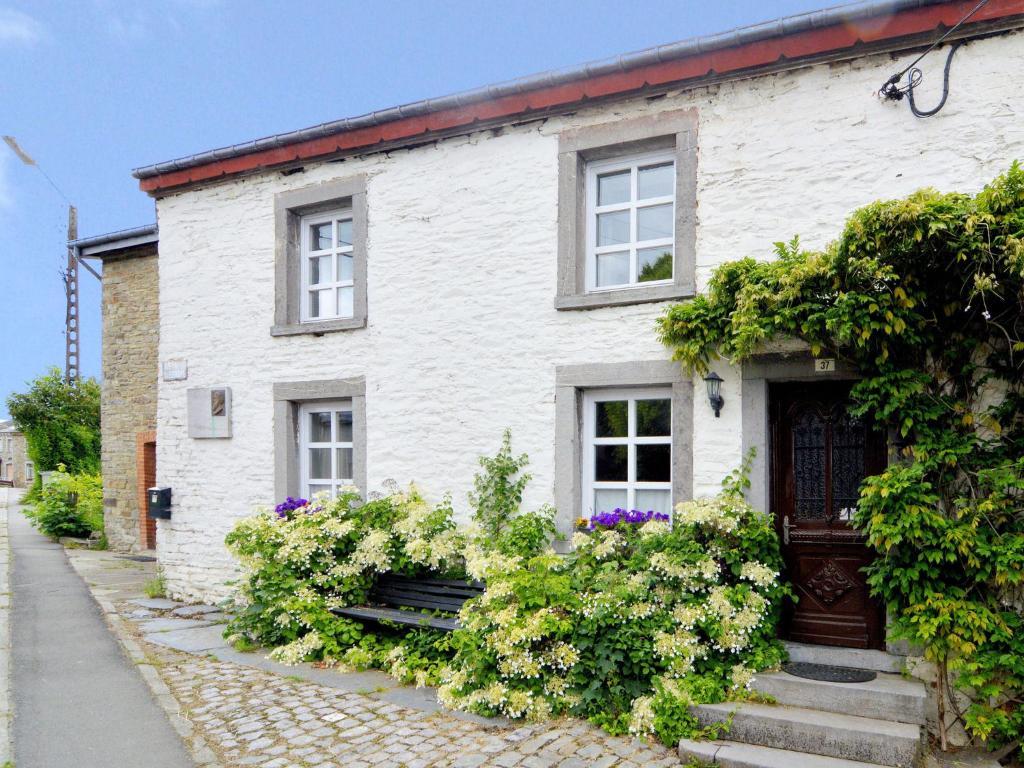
{"points": [[714, 382]]}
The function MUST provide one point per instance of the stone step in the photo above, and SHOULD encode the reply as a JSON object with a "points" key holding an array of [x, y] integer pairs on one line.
{"points": [[732, 754], [887, 697], [818, 733], [858, 658]]}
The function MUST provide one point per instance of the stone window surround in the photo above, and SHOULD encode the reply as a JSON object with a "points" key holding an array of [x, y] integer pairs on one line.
{"points": [[674, 129], [571, 381], [288, 396], [289, 208]]}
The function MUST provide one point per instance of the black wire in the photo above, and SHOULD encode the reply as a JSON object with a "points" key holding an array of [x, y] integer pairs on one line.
{"points": [[890, 88], [915, 78]]}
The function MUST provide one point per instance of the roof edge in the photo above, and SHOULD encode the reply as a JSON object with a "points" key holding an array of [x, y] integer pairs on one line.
{"points": [[564, 87], [99, 246]]}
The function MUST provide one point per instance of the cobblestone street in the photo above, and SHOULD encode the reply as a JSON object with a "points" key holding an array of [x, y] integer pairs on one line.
{"points": [[252, 717], [239, 709]]}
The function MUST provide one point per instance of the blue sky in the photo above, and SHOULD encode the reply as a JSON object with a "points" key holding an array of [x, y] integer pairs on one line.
{"points": [[94, 88]]}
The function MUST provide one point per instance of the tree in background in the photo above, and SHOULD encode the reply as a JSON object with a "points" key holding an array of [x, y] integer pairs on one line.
{"points": [[61, 422]]}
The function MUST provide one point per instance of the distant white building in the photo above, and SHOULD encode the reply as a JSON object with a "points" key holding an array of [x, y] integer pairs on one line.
{"points": [[378, 298]]}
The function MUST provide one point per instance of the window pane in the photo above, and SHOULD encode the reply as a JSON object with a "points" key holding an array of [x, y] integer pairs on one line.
{"points": [[344, 427], [654, 222], [315, 489], [345, 296], [613, 228], [608, 501], [612, 269], [613, 188], [809, 466], [344, 471], [654, 263], [320, 237], [612, 419], [320, 428], [656, 181], [321, 303], [654, 501], [320, 270], [653, 418], [345, 266], [654, 463], [610, 463], [319, 463], [344, 232]]}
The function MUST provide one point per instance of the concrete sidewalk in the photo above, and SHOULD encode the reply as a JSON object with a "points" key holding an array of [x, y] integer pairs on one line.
{"points": [[78, 700]]}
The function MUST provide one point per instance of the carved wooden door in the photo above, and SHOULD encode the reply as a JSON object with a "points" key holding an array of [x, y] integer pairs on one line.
{"points": [[820, 455]]}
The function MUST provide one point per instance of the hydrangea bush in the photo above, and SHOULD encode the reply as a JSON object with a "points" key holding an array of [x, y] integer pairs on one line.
{"points": [[309, 557], [642, 619]]}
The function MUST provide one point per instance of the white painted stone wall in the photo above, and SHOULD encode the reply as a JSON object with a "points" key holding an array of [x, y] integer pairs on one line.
{"points": [[463, 339]]}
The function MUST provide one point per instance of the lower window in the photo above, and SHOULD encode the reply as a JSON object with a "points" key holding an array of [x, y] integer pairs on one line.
{"points": [[326, 450], [627, 459]]}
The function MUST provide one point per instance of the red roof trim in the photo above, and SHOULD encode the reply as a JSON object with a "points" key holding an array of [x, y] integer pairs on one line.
{"points": [[756, 54]]}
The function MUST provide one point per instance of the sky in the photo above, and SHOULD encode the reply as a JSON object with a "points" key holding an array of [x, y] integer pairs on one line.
{"points": [[94, 88]]}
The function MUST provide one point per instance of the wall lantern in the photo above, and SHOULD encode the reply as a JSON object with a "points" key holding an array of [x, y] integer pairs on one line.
{"points": [[714, 382]]}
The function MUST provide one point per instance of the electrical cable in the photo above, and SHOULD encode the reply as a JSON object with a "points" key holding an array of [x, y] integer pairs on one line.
{"points": [[893, 91]]}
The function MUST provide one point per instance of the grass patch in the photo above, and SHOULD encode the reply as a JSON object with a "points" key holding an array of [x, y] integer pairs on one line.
{"points": [[155, 587]]}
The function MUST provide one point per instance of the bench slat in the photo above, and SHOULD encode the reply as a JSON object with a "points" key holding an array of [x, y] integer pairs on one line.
{"points": [[414, 602], [411, 618]]}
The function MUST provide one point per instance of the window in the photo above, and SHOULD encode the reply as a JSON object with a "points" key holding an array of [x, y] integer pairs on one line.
{"points": [[328, 261], [627, 461], [326, 447], [630, 221], [320, 258], [29, 471], [627, 211]]}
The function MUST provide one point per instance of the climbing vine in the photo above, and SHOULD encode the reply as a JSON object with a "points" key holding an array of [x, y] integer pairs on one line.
{"points": [[924, 296]]}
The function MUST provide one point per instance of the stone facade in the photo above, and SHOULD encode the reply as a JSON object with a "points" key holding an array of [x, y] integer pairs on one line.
{"points": [[463, 337], [14, 461], [128, 405]]}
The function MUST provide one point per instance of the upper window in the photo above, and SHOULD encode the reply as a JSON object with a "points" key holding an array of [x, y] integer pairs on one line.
{"points": [[320, 258], [630, 221], [326, 447], [328, 261], [627, 460]]}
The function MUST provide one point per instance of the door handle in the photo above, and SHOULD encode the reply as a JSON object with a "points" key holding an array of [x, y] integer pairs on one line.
{"points": [[785, 529]]}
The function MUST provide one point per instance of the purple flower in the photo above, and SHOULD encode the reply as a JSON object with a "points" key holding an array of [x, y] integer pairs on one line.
{"points": [[289, 505], [621, 516]]}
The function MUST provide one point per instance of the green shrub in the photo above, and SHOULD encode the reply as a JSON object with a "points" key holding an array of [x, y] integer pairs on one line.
{"points": [[302, 561], [639, 621], [69, 505]]}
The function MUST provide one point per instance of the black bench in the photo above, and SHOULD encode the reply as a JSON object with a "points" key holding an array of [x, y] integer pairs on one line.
{"points": [[392, 593]]}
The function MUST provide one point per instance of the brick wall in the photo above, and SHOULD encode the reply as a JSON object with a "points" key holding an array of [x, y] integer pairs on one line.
{"points": [[130, 336]]}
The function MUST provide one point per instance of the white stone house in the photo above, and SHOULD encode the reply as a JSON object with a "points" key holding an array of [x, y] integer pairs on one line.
{"points": [[378, 298]]}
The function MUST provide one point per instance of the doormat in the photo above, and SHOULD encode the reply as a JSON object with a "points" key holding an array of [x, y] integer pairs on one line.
{"points": [[828, 673], [137, 558]]}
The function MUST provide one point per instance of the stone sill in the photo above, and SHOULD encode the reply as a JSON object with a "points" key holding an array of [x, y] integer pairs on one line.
{"points": [[624, 297], [318, 329]]}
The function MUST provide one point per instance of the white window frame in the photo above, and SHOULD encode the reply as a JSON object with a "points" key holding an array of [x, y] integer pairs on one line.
{"points": [[589, 485], [631, 163], [305, 444], [30, 470], [307, 254]]}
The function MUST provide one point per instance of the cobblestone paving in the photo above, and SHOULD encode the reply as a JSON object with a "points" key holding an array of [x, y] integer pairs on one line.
{"points": [[256, 718]]}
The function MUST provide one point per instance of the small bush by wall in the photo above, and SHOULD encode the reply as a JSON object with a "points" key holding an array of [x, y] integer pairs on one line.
{"points": [[69, 505]]}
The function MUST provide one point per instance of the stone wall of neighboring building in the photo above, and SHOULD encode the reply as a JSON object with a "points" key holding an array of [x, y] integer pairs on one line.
{"points": [[131, 326], [15, 464]]}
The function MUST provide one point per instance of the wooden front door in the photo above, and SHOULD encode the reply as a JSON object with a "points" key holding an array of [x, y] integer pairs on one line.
{"points": [[820, 455]]}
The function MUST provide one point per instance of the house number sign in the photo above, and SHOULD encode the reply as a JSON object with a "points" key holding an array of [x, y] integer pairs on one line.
{"points": [[824, 365]]}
